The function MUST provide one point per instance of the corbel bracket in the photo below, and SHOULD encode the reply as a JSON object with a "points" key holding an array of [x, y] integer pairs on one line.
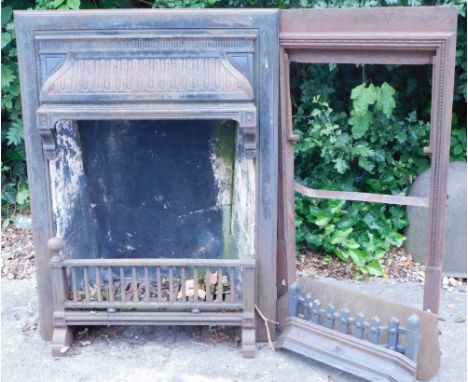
{"points": [[249, 134], [47, 132]]}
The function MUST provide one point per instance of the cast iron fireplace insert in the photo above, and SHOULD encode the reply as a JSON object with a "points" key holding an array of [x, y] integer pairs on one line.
{"points": [[96, 87]]}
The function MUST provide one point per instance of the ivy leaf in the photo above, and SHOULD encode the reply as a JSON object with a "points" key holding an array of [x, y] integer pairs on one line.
{"points": [[6, 38], [351, 244], [314, 240], [343, 255], [374, 268], [58, 3], [340, 236], [73, 4], [363, 97], [6, 15], [335, 206], [385, 99], [395, 239], [22, 197], [360, 123], [370, 221], [357, 258], [322, 220]]}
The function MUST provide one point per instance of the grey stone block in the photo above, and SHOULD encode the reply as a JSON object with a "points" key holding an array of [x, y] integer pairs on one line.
{"points": [[23, 222], [455, 251]]}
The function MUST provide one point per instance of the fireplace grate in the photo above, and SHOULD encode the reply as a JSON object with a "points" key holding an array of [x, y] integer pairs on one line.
{"points": [[121, 283], [166, 291]]}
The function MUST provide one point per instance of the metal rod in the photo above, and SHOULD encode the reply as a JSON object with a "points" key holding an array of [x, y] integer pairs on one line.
{"points": [[123, 286], [195, 284], [74, 287], [208, 284], [177, 305], [219, 292], [244, 263], [86, 283], [362, 196], [98, 284], [111, 284], [171, 285], [158, 277], [76, 317], [147, 285], [134, 285], [183, 281], [232, 284]]}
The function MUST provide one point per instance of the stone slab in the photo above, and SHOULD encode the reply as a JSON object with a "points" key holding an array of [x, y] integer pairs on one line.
{"points": [[455, 253]]}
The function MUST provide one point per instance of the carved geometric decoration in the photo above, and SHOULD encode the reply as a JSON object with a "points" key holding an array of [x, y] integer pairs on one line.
{"points": [[50, 63], [160, 77]]}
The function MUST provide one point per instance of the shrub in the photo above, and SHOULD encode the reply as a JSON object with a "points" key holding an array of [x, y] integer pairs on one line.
{"points": [[371, 148]]}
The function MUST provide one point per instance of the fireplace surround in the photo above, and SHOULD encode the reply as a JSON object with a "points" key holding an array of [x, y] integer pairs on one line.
{"points": [[97, 82]]}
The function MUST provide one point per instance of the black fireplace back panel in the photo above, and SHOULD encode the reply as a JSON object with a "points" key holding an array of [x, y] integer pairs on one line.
{"points": [[152, 190]]}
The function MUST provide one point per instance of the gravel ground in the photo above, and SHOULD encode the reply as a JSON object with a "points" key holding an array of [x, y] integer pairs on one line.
{"points": [[176, 354], [192, 354]]}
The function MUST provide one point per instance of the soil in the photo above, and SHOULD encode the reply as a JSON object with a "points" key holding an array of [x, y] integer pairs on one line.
{"points": [[17, 254]]}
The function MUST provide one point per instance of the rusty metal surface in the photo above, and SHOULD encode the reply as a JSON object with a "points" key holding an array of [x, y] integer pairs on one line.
{"points": [[168, 293], [392, 35], [391, 333], [347, 353], [356, 301], [362, 196], [71, 68]]}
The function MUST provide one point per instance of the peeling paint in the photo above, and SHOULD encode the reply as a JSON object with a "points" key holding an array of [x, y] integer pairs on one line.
{"points": [[243, 208], [76, 211], [68, 192], [222, 161], [66, 173]]}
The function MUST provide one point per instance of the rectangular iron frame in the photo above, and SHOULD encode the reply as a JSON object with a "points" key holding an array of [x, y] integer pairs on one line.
{"points": [[39, 123], [391, 35]]}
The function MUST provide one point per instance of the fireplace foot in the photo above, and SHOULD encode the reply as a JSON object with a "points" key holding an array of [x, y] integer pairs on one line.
{"points": [[248, 336], [61, 341]]}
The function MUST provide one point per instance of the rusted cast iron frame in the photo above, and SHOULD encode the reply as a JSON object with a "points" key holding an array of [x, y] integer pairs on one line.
{"points": [[417, 36], [146, 30]]}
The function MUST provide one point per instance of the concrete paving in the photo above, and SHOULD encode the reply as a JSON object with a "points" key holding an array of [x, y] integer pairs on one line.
{"points": [[176, 354]]}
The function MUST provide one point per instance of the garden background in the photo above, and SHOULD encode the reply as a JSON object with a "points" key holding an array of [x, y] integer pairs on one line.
{"points": [[361, 128]]}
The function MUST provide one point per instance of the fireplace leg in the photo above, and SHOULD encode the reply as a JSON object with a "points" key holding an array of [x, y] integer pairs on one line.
{"points": [[61, 341], [248, 335], [62, 336]]}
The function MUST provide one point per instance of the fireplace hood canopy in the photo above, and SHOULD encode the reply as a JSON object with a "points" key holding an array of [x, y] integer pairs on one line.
{"points": [[147, 75]]}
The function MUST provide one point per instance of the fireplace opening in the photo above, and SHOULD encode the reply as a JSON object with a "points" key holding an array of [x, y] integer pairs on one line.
{"points": [[152, 189]]}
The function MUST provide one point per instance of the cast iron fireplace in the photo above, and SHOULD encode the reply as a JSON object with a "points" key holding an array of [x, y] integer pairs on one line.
{"points": [[155, 177]]}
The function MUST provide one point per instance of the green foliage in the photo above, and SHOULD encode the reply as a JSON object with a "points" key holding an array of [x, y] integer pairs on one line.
{"points": [[365, 146], [370, 149], [14, 182], [458, 144]]}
